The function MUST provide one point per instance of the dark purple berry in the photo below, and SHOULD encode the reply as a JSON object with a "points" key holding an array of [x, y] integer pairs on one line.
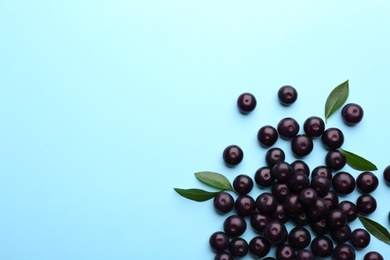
{"points": [[301, 145], [320, 184], [299, 166], [343, 183], [223, 202], [322, 171], [331, 199], [243, 184], [282, 172], [238, 247], [232, 155], [350, 210], [360, 238], [342, 235], [336, 219], [366, 204], [259, 221], [267, 136], [245, 206], [275, 232], [266, 203], [219, 241], [332, 138], [308, 196], [288, 128], [314, 126], [367, 182], [234, 226], [344, 252], [264, 178], [280, 191], [298, 182], [280, 214], [259, 246], [246, 103], [352, 114], [305, 255], [287, 95], [223, 256], [335, 160], [320, 227], [299, 238], [386, 175], [373, 256], [301, 220], [273, 156], [292, 205], [322, 246], [285, 252], [319, 210]]}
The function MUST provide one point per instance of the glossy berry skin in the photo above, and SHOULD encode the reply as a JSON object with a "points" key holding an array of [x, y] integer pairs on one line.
{"points": [[322, 171], [285, 252], [343, 183], [336, 219], [299, 166], [367, 182], [320, 184], [282, 172], [273, 156], [335, 160], [232, 155], [314, 126], [280, 191], [386, 175], [219, 241], [287, 95], [223, 256], [320, 227], [245, 206], [305, 255], [246, 103], [301, 220], [288, 128], [292, 205], [350, 210], [342, 235], [301, 145], [234, 226], [332, 138], [360, 238], [238, 247], [243, 184], [298, 182], [275, 232], [322, 246], [263, 177], [319, 210], [299, 238], [344, 252], [259, 222], [373, 256], [366, 204], [308, 196], [331, 199], [267, 136], [266, 203], [280, 214], [259, 246], [223, 202], [352, 114]]}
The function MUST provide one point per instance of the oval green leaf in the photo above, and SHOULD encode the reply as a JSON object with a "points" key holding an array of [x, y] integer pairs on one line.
{"points": [[215, 180], [358, 163], [376, 229], [196, 194], [336, 99]]}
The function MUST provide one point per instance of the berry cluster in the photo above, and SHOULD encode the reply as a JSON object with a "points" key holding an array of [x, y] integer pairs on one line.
{"points": [[307, 198]]}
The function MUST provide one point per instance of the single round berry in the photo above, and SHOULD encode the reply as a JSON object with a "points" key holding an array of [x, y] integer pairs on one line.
{"points": [[322, 246], [386, 175], [273, 156], [245, 206], [314, 126], [232, 155], [299, 238], [301, 220], [259, 246], [332, 138], [285, 252], [360, 238], [246, 103], [263, 177], [335, 160], [275, 232], [343, 183], [280, 191], [305, 255], [319, 210], [350, 210], [238, 247], [288, 128], [298, 182], [373, 256], [322, 171], [366, 204], [287, 95], [282, 172], [352, 114], [223, 202], [223, 256], [219, 241], [331, 199], [367, 182], [299, 166], [267, 136], [320, 227], [344, 252], [320, 184], [301, 145], [280, 214], [336, 219], [342, 235], [234, 226], [308, 196], [259, 221], [292, 205], [243, 184], [266, 203]]}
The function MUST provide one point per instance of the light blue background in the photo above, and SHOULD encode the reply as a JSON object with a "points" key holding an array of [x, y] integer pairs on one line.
{"points": [[108, 105]]}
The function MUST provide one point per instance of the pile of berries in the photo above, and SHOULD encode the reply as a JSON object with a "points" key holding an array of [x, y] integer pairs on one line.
{"points": [[307, 198]]}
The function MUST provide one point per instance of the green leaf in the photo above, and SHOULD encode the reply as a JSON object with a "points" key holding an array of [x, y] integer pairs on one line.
{"points": [[336, 99], [215, 180], [358, 163], [376, 229], [196, 194]]}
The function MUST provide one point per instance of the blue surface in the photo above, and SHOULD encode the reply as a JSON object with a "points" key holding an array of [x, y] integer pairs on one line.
{"points": [[108, 105]]}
